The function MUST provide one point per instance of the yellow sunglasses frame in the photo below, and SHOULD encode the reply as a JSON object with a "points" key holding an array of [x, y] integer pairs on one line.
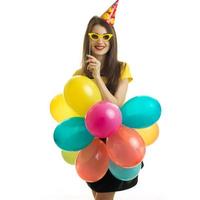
{"points": [[100, 36]]}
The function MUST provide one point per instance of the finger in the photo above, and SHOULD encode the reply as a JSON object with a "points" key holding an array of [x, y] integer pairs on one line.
{"points": [[90, 61], [92, 57], [91, 70], [93, 64], [90, 67]]}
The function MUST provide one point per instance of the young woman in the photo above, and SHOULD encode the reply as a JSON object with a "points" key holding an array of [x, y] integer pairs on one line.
{"points": [[112, 77]]}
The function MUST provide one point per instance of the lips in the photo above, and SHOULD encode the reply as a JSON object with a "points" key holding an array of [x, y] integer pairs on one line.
{"points": [[99, 47]]}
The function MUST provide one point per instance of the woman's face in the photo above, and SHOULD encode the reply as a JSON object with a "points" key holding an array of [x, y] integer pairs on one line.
{"points": [[99, 47]]}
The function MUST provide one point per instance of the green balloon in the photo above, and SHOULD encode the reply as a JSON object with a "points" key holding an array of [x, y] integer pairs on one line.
{"points": [[70, 156], [72, 135], [124, 174], [140, 112]]}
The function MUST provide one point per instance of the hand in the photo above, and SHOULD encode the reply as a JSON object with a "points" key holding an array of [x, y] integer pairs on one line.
{"points": [[94, 66]]}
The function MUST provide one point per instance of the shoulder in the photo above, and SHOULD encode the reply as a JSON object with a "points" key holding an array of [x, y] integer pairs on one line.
{"points": [[125, 72], [124, 66]]}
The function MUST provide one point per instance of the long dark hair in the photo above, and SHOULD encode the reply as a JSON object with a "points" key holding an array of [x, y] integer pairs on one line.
{"points": [[112, 67]]}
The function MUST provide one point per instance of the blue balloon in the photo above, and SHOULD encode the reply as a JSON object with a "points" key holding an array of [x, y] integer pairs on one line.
{"points": [[124, 174], [72, 135], [140, 112]]}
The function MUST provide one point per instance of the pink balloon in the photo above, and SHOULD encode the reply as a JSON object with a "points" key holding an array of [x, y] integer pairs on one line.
{"points": [[103, 119]]}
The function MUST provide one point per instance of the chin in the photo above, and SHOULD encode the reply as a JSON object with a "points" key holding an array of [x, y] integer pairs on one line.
{"points": [[100, 53]]}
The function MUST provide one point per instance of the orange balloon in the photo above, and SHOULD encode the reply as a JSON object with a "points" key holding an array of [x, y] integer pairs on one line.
{"points": [[126, 148], [93, 161]]}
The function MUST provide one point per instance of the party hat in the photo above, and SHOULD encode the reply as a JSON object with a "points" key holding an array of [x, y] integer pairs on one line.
{"points": [[109, 15]]}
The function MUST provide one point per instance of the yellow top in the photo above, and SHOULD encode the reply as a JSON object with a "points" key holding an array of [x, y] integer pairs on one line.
{"points": [[125, 73]]}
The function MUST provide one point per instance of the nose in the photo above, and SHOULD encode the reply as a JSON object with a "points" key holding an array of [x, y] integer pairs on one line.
{"points": [[100, 40]]}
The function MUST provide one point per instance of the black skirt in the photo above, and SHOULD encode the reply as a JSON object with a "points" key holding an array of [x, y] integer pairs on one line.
{"points": [[111, 184]]}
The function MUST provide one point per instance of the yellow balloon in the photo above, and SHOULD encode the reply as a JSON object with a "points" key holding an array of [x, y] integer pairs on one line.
{"points": [[60, 110], [81, 93], [70, 156], [149, 134]]}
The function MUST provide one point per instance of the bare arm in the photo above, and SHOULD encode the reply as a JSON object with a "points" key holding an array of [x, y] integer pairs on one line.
{"points": [[120, 94]]}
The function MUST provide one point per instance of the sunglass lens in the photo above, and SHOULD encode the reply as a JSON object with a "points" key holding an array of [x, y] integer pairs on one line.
{"points": [[94, 36], [106, 37]]}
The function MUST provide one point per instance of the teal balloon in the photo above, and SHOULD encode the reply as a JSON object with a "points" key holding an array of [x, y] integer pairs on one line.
{"points": [[72, 135], [124, 174], [140, 112]]}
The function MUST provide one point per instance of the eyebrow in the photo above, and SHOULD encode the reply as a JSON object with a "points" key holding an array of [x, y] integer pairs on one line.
{"points": [[100, 33]]}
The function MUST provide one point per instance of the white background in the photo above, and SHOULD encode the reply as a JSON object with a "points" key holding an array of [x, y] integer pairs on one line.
{"points": [[40, 48]]}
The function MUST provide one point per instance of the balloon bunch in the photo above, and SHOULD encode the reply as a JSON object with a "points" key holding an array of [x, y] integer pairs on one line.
{"points": [[86, 120]]}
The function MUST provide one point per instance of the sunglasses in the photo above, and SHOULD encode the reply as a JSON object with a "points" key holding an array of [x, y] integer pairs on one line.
{"points": [[96, 36]]}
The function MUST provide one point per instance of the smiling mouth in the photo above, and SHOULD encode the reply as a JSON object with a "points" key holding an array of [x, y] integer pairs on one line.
{"points": [[99, 47]]}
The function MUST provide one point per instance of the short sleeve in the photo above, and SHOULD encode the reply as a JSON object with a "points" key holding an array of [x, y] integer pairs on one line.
{"points": [[78, 72], [126, 73]]}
